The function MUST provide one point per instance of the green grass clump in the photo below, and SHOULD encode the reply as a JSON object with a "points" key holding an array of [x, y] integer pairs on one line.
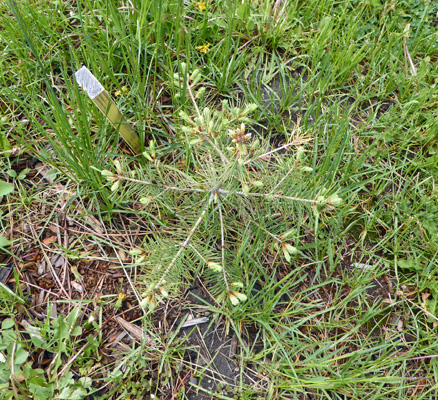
{"points": [[288, 168]]}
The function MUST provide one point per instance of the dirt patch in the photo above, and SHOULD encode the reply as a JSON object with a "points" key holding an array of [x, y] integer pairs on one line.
{"points": [[211, 354]]}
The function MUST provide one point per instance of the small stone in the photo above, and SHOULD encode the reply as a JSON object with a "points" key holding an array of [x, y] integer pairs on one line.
{"points": [[194, 380]]}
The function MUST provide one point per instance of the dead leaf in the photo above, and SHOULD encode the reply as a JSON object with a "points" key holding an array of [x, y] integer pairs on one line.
{"points": [[117, 338], [400, 325], [77, 286], [424, 297], [122, 254], [41, 267], [136, 331], [51, 239], [194, 321], [53, 228], [57, 260]]}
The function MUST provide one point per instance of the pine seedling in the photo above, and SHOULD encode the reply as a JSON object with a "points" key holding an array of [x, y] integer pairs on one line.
{"points": [[225, 150]]}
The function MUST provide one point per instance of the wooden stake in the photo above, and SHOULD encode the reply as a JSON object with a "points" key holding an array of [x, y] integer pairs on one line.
{"points": [[87, 81]]}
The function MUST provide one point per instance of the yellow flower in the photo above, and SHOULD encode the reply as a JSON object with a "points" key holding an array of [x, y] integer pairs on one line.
{"points": [[123, 91], [120, 299], [201, 5], [203, 48]]}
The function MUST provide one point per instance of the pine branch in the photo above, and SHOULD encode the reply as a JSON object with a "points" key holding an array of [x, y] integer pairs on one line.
{"points": [[192, 231], [222, 192]]}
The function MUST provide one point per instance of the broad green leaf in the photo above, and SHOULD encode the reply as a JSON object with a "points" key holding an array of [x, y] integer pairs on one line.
{"points": [[20, 355], [410, 263], [7, 323], [286, 255], [4, 242], [77, 330], [5, 145], [5, 188], [24, 173], [11, 173]]}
